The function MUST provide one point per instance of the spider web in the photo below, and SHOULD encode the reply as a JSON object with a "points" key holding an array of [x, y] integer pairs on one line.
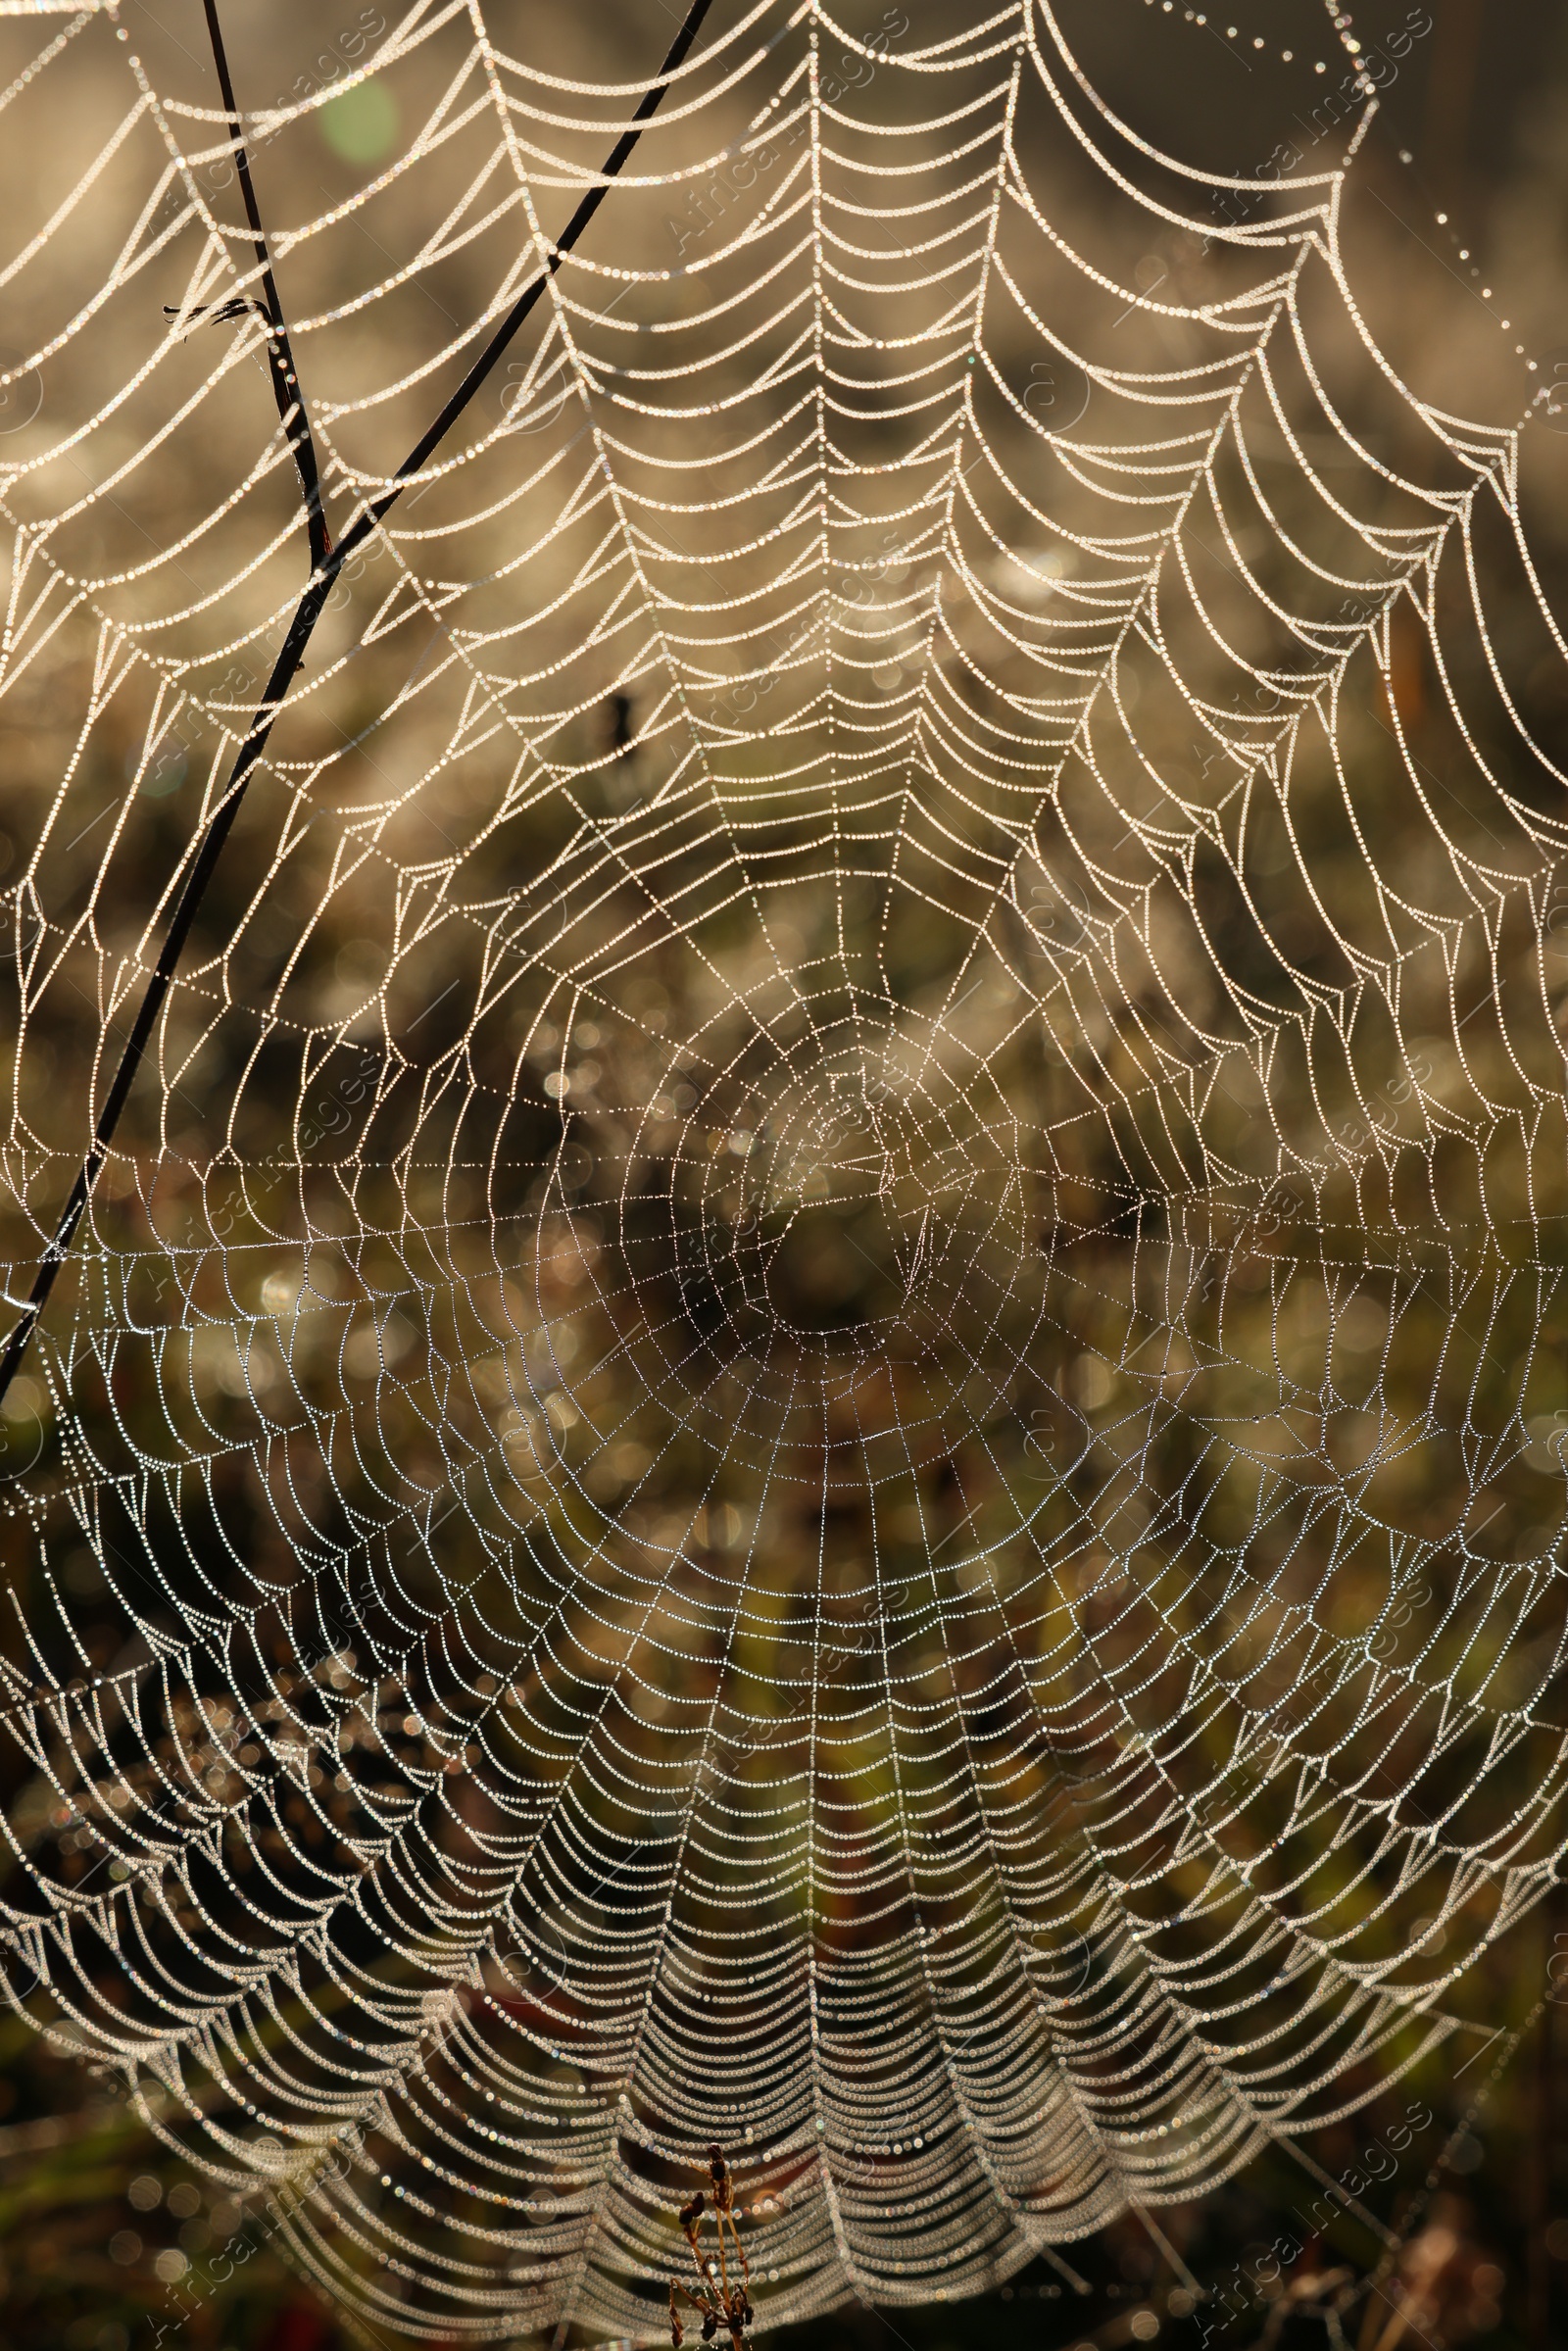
{"points": [[820, 1367]]}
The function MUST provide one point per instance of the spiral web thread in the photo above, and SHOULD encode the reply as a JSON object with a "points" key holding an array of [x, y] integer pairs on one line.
{"points": [[821, 1371]]}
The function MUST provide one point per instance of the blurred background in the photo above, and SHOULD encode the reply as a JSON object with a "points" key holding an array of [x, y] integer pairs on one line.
{"points": [[1454, 2227]]}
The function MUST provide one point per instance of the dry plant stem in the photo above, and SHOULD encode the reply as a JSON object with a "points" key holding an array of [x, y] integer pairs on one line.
{"points": [[723, 2265], [325, 566], [724, 2210], [720, 2304]]}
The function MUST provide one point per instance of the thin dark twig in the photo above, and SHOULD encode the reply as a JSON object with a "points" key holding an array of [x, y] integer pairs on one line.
{"points": [[287, 391], [436, 432], [311, 604]]}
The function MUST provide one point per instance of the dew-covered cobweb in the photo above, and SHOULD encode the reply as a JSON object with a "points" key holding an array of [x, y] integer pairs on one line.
{"points": [[821, 1364]]}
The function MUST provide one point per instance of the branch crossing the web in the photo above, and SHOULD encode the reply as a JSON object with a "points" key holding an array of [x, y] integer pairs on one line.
{"points": [[326, 561]]}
